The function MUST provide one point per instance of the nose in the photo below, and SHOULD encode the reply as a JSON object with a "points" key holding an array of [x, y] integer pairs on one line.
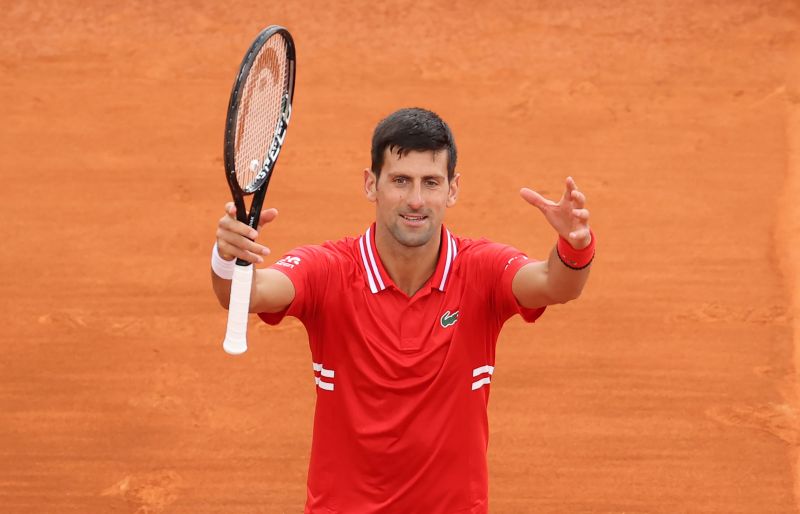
{"points": [[414, 199]]}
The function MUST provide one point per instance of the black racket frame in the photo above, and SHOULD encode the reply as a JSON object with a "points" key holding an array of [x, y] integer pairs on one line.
{"points": [[259, 188]]}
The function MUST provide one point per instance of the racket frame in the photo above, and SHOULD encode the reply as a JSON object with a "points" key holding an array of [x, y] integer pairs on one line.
{"points": [[259, 188]]}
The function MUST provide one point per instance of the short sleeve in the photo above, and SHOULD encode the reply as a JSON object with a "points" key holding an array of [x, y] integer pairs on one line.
{"points": [[307, 267], [507, 304], [497, 266]]}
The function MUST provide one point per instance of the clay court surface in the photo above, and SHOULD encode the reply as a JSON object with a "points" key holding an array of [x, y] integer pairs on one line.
{"points": [[669, 387]]}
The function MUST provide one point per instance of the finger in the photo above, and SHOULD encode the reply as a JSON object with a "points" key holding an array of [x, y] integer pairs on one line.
{"points": [[242, 242], [230, 224], [580, 235], [231, 252], [267, 216], [578, 198], [230, 209], [581, 214], [534, 198], [240, 246], [571, 186]]}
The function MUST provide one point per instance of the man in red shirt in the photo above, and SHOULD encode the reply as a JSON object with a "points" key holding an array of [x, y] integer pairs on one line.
{"points": [[402, 324]]}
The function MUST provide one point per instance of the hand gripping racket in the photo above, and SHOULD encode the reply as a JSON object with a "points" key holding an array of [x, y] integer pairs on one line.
{"points": [[255, 129]]}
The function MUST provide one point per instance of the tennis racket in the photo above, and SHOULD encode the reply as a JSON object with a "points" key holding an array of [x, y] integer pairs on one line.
{"points": [[255, 130]]}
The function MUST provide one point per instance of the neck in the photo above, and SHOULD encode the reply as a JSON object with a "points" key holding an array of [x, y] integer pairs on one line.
{"points": [[408, 267]]}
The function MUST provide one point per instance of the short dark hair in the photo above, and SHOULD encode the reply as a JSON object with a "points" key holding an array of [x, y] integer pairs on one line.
{"points": [[413, 129]]}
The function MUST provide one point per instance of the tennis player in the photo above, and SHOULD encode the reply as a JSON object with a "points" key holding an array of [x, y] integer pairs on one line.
{"points": [[402, 322]]}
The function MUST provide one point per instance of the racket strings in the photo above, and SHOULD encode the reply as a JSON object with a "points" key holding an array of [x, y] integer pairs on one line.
{"points": [[260, 109]]}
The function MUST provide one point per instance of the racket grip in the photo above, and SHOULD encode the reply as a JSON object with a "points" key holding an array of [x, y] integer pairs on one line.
{"points": [[236, 334]]}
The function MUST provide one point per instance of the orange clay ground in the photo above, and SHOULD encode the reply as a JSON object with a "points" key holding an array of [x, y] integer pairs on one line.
{"points": [[669, 387]]}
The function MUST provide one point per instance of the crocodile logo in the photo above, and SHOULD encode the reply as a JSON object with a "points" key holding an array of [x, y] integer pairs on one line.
{"points": [[448, 319]]}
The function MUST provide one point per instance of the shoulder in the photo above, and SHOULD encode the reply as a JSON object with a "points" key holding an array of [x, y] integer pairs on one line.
{"points": [[343, 248], [484, 255], [472, 249], [467, 245], [338, 253]]}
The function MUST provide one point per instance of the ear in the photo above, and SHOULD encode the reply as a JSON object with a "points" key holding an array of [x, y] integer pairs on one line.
{"points": [[370, 184], [452, 194]]}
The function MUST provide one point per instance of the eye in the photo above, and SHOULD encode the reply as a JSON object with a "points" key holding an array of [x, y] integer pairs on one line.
{"points": [[400, 180], [432, 183]]}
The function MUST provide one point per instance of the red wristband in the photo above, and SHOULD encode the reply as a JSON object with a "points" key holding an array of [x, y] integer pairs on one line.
{"points": [[572, 258]]}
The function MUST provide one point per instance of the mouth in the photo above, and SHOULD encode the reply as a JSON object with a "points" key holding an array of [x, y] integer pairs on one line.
{"points": [[413, 219]]}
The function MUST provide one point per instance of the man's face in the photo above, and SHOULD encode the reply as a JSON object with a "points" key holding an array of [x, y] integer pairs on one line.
{"points": [[412, 195]]}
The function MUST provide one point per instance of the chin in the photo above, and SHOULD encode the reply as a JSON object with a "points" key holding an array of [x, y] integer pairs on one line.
{"points": [[412, 239]]}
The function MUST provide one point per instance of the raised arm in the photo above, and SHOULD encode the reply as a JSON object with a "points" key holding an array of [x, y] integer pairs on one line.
{"points": [[272, 291], [559, 279]]}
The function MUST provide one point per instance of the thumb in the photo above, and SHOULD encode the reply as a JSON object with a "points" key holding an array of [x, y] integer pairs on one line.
{"points": [[267, 216], [534, 198]]}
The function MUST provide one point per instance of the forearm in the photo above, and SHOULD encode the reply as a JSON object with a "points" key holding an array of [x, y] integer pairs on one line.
{"points": [[564, 283], [553, 281], [222, 289], [271, 291]]}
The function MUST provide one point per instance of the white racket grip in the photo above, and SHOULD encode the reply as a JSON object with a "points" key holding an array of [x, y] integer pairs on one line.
{"points": [[236, 334]]}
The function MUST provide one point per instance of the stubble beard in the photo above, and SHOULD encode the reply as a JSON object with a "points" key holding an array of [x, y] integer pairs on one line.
{"points": [[411, 239]]}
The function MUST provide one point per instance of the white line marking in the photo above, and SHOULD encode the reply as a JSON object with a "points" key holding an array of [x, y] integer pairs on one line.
{"points": [[323, 385], [480, 383], [372, 260], [366, 266], [483, 369], [447, 263]]}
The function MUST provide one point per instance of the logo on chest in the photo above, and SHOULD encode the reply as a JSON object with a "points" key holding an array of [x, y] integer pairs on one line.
{"points": [[448, 319]]}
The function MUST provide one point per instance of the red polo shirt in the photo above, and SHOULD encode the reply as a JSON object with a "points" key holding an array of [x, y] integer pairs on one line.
{"points": [[402, 383]]}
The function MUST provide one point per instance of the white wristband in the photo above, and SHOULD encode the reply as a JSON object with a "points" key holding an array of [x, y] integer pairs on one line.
{"points": [[222, 268]]}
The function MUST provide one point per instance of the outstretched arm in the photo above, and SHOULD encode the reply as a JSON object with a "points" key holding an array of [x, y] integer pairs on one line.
{"points": [[557, 280], [272, 291]]}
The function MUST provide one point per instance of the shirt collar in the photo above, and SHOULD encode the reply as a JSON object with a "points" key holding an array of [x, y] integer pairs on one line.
{"points": [[375, 275]]}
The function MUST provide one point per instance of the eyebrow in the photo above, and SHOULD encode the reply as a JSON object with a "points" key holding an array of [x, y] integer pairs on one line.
{"points": [[424, 177]]}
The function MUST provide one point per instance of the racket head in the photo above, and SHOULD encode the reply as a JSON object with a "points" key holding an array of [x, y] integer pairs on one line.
{"points": [[258, 115]]}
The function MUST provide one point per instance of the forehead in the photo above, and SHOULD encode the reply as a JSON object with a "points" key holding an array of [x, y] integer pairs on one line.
{"points": [[418, 163]]}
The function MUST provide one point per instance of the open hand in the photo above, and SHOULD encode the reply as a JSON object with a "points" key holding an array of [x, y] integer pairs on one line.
{"points": [[568, 217]]}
